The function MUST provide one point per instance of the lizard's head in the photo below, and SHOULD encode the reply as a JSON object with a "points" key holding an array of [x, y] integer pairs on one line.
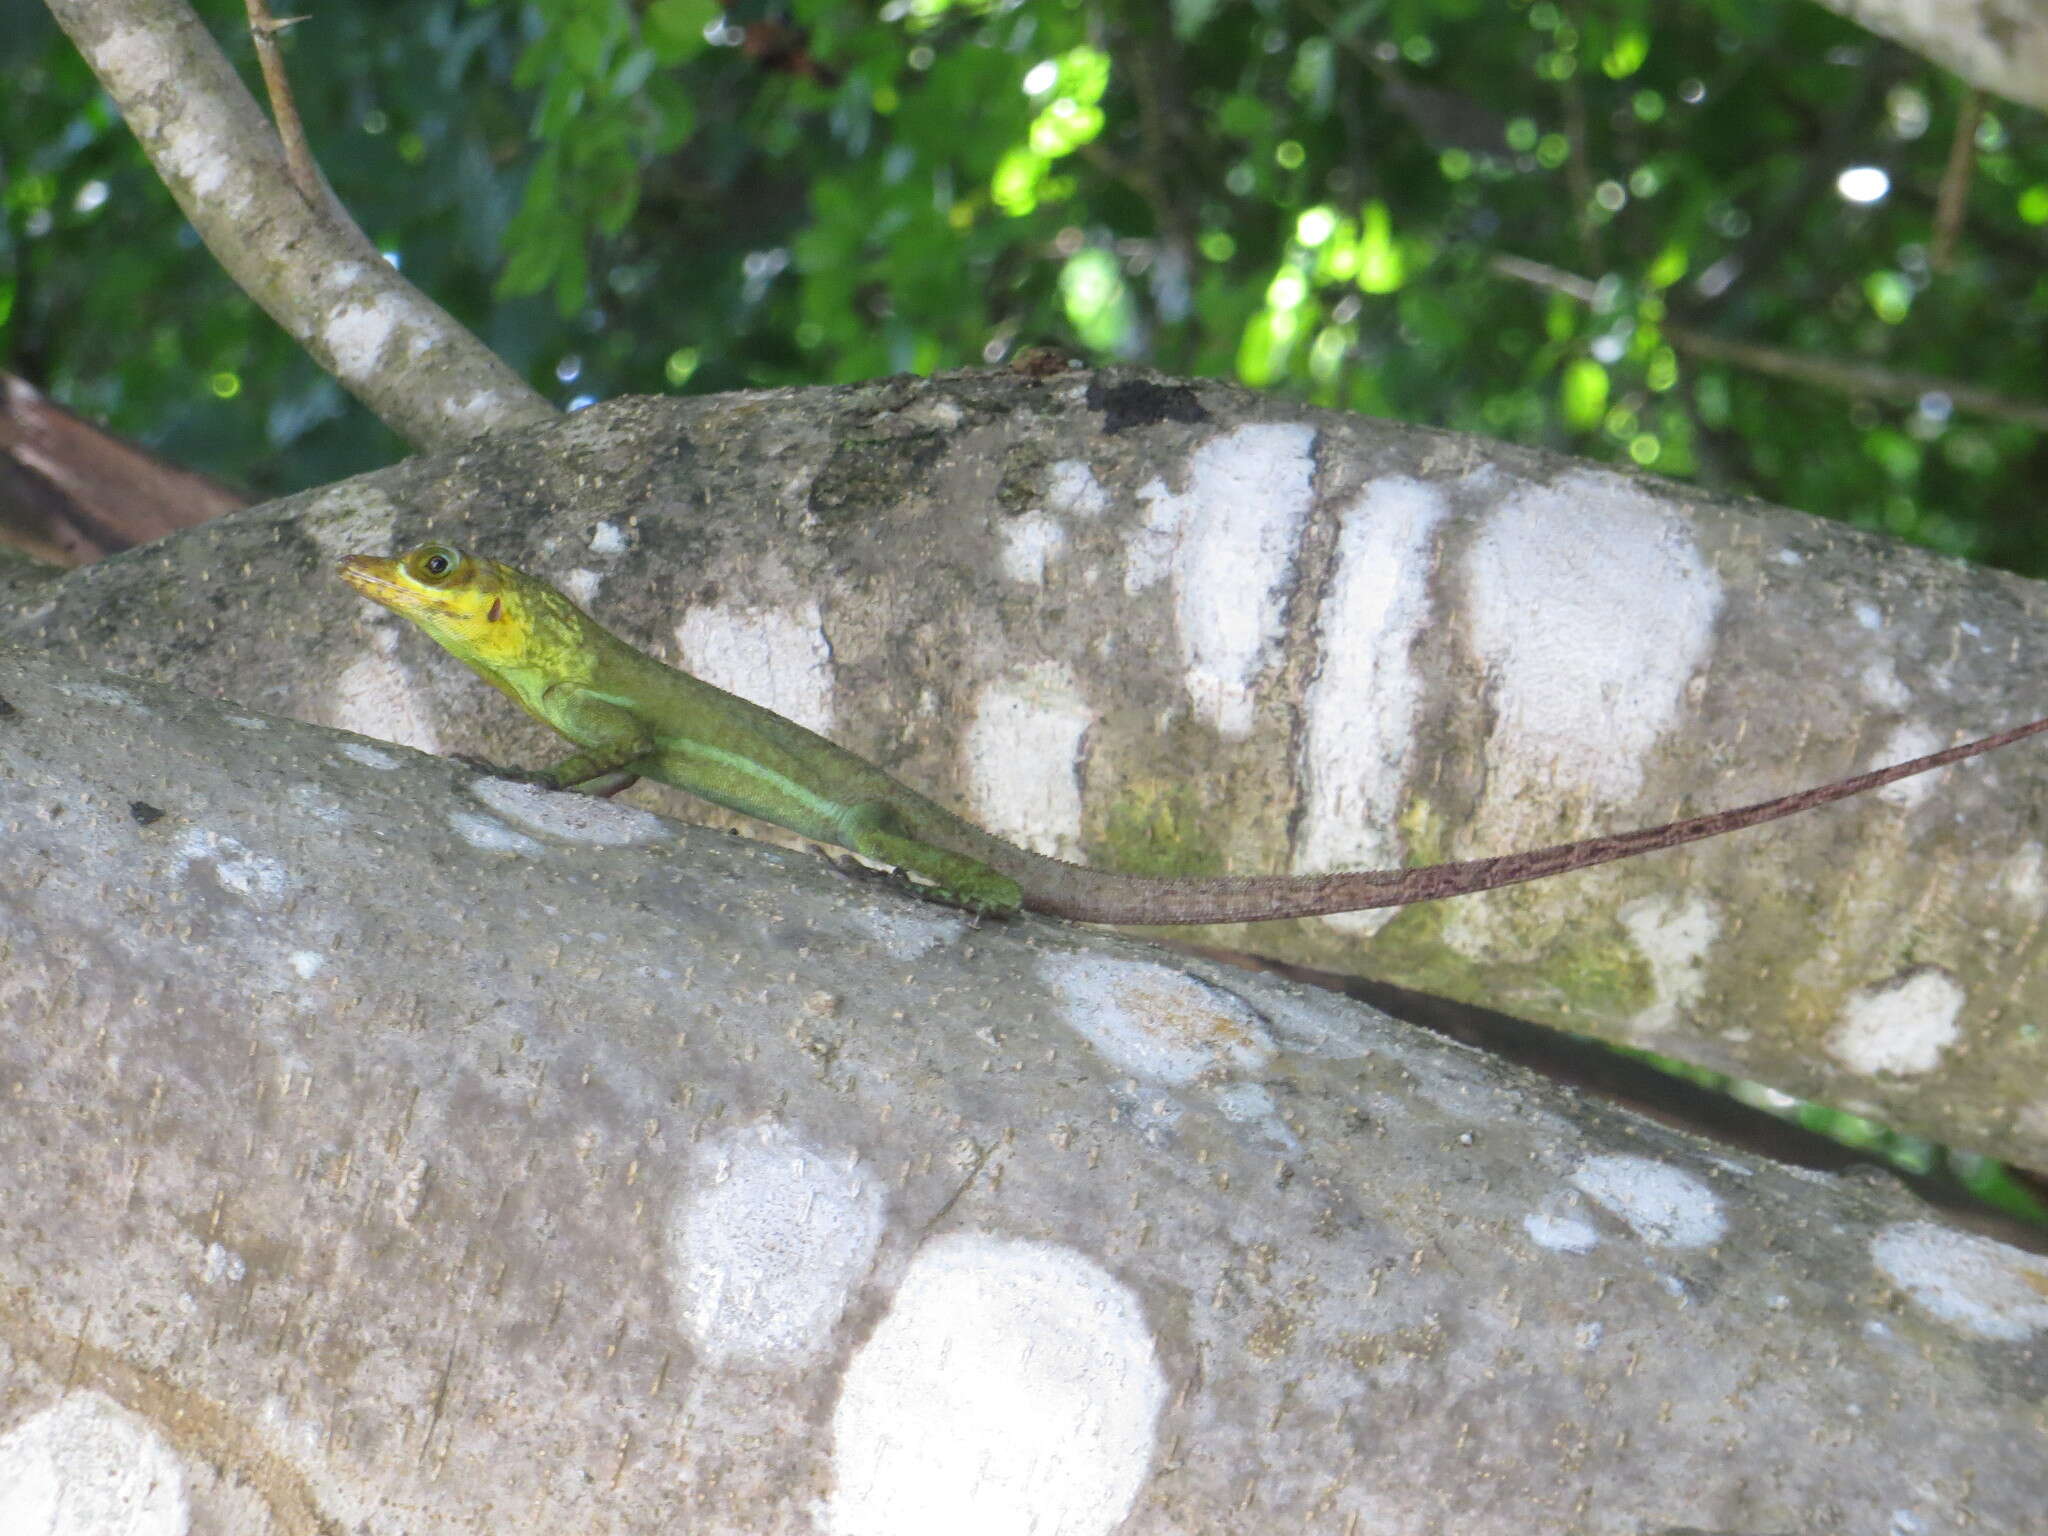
{"points": [[486, 613]]}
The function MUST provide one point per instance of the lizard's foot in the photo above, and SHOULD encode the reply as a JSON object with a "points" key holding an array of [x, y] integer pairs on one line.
{"points": [[998, 896], [539, 777], [875, 830], [605, 785]]}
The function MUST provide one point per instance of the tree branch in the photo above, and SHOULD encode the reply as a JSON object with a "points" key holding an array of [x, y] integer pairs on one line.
{"points": [[311, 269], [1997, 46], [1859, 379], [284, 111], [1395, 646], [390, 1148], [1951, 205]]}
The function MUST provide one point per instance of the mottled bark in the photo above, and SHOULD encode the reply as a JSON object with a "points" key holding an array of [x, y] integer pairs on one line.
{"points": [[390, 1149], [2000, 46], [1183, 629]]}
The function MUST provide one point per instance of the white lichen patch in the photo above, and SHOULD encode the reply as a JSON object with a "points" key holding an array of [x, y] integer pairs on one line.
{"points": [[1012, 1389], [1247, 1103], [491, 835], [239, 869], [1022, 757], [571, 817], [582, 586], [376, 697], [107, 696], [1228, 542], [314, 803], [904, 936], [369, 756], [86, 1466], [778, 658], [475, 413], [1880, 684], [2023, 876], [306, 963], [190, 134], [1972, 1282], [1666, 1207], [1591, 611], [1903, 1027], [1154, 1022], [1362, 708], [221, 1265], [246, 722], [1673, 937], [767, 1243], [1031, 541], [608, 539], [1560, 1234], [1071, 488], [1907, 740], [356, 334], [1315, 1027]]}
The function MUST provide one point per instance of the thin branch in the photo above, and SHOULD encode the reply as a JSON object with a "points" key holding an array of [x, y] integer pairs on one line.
{"points": [[291, 132], [305, 262], [1955, 181], [1861, 379], [1578, 170]]}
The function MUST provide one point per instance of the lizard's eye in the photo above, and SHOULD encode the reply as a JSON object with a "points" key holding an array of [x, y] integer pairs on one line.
{"points": [[434, 563]]}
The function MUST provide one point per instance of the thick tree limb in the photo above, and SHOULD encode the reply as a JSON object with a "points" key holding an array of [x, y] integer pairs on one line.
{"points": [[2000, 46], [303, 260], [1234, 634], [392, 1148], [73, 492]]}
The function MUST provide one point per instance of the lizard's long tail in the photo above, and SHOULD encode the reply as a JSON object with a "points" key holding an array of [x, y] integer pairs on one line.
{"points": [[1096, 896]]}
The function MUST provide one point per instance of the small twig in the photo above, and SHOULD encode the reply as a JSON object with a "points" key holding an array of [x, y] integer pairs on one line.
{"points": [[1578, 172], [298, 155], [1847, 378], [1955, 181]]}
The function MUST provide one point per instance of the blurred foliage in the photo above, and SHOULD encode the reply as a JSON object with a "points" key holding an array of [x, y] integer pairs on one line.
{"points": [[1984, 1179], [1309, 195]]}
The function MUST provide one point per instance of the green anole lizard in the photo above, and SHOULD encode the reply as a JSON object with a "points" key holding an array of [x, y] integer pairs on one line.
{"points": [[633, 716]]}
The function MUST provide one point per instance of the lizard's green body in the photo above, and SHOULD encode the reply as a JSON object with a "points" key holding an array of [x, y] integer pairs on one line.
{"points": [[632, 715]]}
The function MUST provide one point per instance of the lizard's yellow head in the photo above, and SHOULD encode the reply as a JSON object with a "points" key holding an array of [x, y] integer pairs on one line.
{"points": [[478, 609]]}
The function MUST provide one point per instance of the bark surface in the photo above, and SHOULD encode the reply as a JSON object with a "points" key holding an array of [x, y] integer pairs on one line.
{"points": [[2000, 46], [390, 1149], [1182, 629]]}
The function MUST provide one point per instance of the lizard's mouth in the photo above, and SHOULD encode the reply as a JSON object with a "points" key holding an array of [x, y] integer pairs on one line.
{"points": [[370, 575]]}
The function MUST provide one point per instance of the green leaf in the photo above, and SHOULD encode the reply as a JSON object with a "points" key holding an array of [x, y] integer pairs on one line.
{"points": [[632, 72], [674, 114], [1626, 53], [1084, 74], [560, 105], [1890, 295], [572, 281], [583, 42], [1380, 267], [1014, 187], [674, 29], [1582, 394]]}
